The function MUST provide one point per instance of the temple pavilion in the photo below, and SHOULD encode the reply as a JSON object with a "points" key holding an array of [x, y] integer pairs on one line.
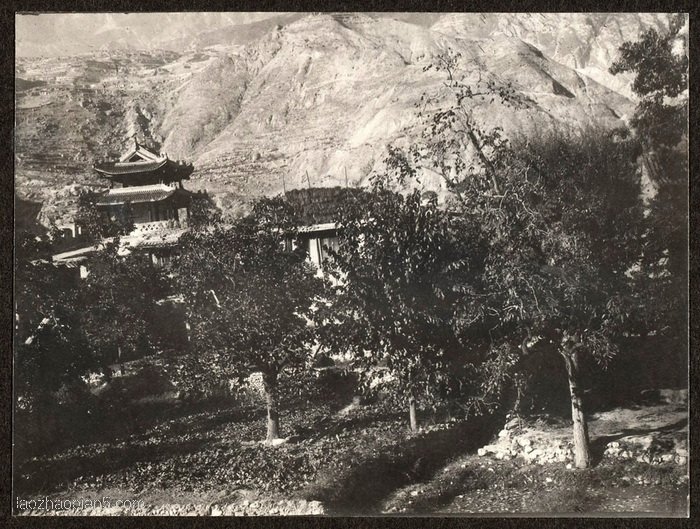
{"points": [[150, 185]]}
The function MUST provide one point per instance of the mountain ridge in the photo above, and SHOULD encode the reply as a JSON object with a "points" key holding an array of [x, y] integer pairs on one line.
{"points": [[312, 98]]}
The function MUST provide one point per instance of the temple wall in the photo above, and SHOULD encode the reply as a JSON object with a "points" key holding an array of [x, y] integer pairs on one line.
{"points": [[141, 213], [153, 212]]}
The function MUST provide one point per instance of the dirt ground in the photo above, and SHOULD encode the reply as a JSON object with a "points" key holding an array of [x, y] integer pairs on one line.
{"points": [[361, 460], [483, 484]]}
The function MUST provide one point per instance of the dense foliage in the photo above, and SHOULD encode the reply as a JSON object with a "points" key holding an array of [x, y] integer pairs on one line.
{"points": [[562, 217], [68, 327], [117, 305], [659, 62], [50, 351], [248, 294], [203, 212], [97, 224], [399, 263]]}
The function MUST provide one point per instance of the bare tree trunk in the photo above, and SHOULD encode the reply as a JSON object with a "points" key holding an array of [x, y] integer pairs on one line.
{"points": [[119, 357], [273, 421], [412, 414], [582, 449], [484, 159]]}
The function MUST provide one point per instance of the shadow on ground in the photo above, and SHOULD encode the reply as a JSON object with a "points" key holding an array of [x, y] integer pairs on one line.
{"points": [[49, 475], [372, 479], [129, 440], [329, 426], [599, 444]]}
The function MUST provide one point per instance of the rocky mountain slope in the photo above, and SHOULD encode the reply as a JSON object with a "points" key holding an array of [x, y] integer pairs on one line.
{"points": [[305, 99]]}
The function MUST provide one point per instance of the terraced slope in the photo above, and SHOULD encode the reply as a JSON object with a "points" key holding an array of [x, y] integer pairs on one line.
{"points": [[321, 94]]}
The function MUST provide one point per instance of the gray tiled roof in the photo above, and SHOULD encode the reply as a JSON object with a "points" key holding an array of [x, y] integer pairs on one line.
{"points": [[121, 168], [136, 194]]}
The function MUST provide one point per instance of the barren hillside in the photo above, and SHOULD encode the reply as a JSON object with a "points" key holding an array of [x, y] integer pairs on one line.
{"points": [[318, 93]]}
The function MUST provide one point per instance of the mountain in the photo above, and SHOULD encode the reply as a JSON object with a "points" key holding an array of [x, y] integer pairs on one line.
{"points": [[292, 99], [67, 34], [586, 42]]}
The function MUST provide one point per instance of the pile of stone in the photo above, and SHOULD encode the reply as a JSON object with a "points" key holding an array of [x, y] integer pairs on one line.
{"points": [[518, 441], [168, 509], [650, 449], [172, 509], [646, 480]]}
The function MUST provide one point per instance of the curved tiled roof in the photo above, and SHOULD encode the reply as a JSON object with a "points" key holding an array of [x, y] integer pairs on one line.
{"points": [[139, 151], [135, 194], [164, 239], [121, 168], [320, 205]]}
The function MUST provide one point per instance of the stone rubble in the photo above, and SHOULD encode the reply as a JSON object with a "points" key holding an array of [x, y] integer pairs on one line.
{"points": [[517, 440]]}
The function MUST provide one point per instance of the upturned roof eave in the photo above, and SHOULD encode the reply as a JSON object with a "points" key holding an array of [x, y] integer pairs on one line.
{"points": [[128, 168], [139, 195], [325, 226]]}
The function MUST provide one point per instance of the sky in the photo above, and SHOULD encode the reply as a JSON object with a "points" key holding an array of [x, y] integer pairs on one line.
{"points": [[70, 33]]}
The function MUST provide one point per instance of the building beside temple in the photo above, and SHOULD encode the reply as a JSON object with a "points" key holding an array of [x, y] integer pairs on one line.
{"points": [[318, 208], [148, 187]]}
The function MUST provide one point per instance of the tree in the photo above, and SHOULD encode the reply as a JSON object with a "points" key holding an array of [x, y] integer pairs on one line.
{"points": [[203, 212], [660, 65], [563, 268], [49, 350], [659, 62], [97, 224], [118, 300], [394, 299], [117, 303], [248, 295], [562, 217]]}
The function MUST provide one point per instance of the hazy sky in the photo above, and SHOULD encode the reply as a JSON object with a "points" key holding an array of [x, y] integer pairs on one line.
{"points": [[68, 33]]}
